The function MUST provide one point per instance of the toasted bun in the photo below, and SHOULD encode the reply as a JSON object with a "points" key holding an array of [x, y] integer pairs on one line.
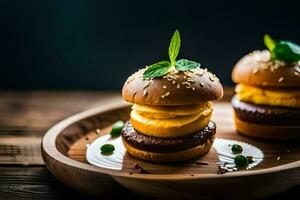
{"points": [[170, 157], [269, 132], [181, 88], [257, 69]]}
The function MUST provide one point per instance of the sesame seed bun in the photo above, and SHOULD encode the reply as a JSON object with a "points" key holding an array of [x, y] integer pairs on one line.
{"points": [[176, 88], [257, 69]]}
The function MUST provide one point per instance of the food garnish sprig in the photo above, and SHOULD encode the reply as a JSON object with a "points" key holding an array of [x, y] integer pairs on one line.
{"points": [[161, 68], [283, 50]]}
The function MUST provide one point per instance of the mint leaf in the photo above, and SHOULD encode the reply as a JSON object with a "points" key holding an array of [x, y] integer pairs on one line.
{"points": [[286, 51], [269, 42], [283, 50], [184, 64], [161, 68], [174, 47], [157, 69]]}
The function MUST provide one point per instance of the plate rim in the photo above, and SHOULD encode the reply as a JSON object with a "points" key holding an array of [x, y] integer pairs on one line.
{"points": [[48, 147]]}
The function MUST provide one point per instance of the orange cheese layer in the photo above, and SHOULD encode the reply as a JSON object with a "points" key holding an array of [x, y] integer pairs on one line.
{"points": [[170, 123], [272, 97]]}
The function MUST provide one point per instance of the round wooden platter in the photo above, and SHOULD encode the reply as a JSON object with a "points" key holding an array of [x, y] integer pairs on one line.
{"points": [[64, 152]]}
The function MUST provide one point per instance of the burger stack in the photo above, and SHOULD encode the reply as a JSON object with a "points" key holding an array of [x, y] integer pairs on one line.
{"points": [[170, 119]]}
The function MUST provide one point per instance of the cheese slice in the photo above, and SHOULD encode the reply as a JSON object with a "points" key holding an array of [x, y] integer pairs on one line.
{"points": [[172, 110], [273, 97]]}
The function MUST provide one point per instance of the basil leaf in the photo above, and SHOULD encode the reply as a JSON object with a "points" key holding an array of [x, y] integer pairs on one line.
{"points": [[157, 69], [269, 42], [184, 64], [174, 47], [286, 51]]}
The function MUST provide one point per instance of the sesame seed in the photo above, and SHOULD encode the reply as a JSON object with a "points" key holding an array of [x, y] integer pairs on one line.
{"points": [[178, 86], [167, 94], [278, 158], [276, 67], [280, 79], [211, 78], [165, 87], [188, 85], [184, 77], [97, 131], [173, 82], [264, 66], [202, 84], [145, 93], [146, 84], [193, 88], [296, 74]]}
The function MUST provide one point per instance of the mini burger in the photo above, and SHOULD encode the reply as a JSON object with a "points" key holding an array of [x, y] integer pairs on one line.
{"points": [[171, 112], [267, 100]]}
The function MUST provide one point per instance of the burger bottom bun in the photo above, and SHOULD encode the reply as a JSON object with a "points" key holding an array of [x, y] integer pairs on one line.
{"points": [[178, 156], [268, 132]]}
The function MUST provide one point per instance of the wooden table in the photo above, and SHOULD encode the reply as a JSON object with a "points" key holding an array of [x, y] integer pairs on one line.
{"points": [[24, 118]]}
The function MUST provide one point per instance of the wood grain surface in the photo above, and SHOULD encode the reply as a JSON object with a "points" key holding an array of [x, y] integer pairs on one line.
{"points": [[281, 162], [30, 114]]}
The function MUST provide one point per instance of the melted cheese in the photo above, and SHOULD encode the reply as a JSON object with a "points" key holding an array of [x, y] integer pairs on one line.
{"points": [[171, 111], [273, 97], [170, 121]]}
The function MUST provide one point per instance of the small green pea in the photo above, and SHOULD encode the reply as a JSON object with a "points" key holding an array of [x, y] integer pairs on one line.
{"points": [[117, 128], [240, 161], [107, 148], [236, 149]]}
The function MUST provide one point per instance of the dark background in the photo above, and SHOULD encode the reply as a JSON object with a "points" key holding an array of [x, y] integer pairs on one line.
{"points": [[72, 44]]}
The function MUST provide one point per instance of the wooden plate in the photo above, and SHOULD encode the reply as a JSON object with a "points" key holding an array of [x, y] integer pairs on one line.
{"points": [[64, 149]]}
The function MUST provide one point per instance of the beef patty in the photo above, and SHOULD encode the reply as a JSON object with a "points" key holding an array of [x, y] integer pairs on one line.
{"points": [[264, 114], [164, 145]]}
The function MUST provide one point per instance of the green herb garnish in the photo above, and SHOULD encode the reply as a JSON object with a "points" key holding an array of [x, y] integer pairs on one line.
{"points": [[117, 128], [163, 67], [174, 47], [240, 161], [236, 149], [184, 64], [283, 50], [107, 148]]}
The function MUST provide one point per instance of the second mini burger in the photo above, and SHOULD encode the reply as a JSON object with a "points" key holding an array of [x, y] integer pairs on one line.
{"points": [[171, 112], [267, 100]]}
